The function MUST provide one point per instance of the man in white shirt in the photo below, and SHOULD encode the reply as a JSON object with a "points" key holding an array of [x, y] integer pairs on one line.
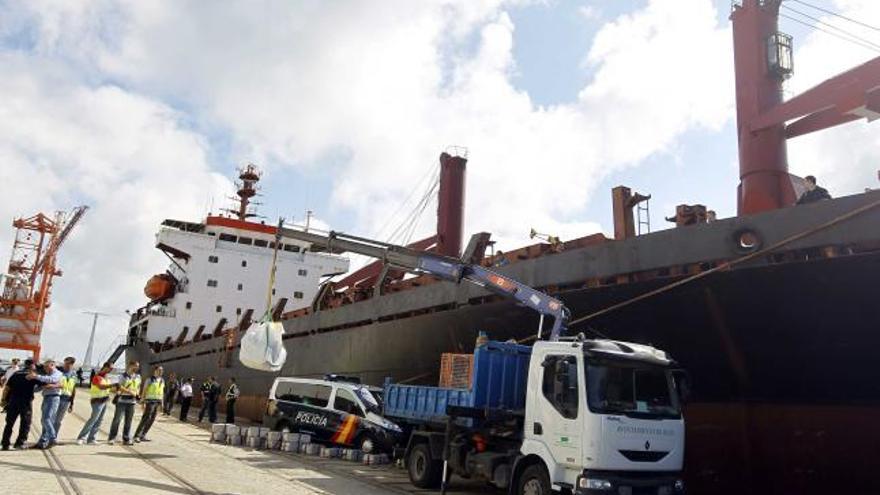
{"points": [[186, 396]]}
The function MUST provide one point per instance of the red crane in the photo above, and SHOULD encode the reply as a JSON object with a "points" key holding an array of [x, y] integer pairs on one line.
{"points": [[763, 60], [28, 280]]}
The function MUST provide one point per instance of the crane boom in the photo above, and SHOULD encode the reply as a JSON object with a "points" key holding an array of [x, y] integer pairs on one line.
{"points": [[443, 267]]}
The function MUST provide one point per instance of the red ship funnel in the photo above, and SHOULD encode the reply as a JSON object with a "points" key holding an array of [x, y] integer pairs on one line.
{"points": [[450, 209]]}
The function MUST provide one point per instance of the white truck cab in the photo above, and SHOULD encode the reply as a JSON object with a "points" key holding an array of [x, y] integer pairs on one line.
{"points": [[601, 417]]}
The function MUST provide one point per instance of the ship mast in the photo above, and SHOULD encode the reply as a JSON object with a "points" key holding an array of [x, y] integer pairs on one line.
{"points": [[248, 177], [763, 61]]}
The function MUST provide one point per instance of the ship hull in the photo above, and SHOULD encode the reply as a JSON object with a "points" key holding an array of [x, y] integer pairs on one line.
{"points": [[780, 354]]}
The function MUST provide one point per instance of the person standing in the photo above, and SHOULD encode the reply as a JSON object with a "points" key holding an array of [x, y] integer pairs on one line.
{"points": [[79, 377], [153, 394], [172, 387], [186, 396], [204, 392], [68, 392], [5, 378], [14, 367], [100, 395], [232, 394], [20, 398], [213, 397], [125, 400], [51, 380]]}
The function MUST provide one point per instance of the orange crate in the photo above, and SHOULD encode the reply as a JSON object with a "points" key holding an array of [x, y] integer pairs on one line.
{"points": [[456, 370]]}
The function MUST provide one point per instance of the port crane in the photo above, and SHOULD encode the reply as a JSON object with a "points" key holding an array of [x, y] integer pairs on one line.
{"points": [[446, 268], [28, 279]]}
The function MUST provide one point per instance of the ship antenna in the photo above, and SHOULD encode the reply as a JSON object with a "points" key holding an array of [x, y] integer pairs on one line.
{"points": [[247, 189]]}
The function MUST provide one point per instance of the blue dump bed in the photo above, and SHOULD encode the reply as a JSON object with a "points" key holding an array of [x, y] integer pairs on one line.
{"points": [[499, 382]]}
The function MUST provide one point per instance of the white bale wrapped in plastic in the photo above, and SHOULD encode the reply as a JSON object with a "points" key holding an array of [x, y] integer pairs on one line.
{"points": [[234, 440], [232, 430], [329, 452], [290, 446], [253, 432], [254, 442], [313, 449], [262, 347], [305, 438], [264, 432], [291, 437]]}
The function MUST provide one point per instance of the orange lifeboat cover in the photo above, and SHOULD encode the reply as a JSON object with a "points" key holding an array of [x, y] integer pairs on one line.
{"points": [[159, 287]]}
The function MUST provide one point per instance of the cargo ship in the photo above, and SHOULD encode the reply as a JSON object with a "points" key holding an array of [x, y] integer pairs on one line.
{"points": [[771, 312]]}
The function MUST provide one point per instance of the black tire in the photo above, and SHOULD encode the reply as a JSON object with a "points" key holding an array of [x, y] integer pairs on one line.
{"points": [[424, 470], [534, 480]]}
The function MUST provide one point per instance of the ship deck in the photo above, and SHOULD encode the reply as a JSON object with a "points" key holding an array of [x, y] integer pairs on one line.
{"points": [[181, 459]]}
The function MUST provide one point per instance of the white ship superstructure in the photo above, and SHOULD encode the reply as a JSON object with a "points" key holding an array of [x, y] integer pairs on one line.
{"points": [[219, 274]]}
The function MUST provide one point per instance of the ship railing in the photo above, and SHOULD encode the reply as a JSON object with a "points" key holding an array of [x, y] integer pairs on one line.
{"points": [[162, 311]]}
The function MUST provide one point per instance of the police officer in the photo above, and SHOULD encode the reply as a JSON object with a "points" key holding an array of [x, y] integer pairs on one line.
{"points": [[153, 394], [126, 397]]}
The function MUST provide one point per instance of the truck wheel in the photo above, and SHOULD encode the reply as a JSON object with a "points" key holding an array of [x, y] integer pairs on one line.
{"points": [[424, 471], [534, 481]]}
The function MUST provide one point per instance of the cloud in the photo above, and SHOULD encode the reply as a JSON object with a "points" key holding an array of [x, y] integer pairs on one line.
{"points": [[63, 143], [120, 100]]}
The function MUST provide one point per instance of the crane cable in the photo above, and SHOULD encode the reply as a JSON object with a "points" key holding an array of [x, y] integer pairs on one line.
{"points": [[723, 266], [841, 34], [831, 12]]}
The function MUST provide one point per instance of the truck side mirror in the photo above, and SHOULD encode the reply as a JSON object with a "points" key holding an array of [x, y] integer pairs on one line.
{"points": [[682, 383]]}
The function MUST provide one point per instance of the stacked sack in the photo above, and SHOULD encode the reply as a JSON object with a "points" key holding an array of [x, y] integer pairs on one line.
{"points": [[218, 433], [292, 442], [233, 435], [256, 437], [351, 455], [375, 459]]}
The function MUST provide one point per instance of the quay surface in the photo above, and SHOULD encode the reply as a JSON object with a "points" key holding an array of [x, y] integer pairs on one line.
{"points": [[180, 459]]}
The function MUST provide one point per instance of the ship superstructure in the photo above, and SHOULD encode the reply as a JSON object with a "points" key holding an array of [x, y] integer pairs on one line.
{"points": [[219, 273]]}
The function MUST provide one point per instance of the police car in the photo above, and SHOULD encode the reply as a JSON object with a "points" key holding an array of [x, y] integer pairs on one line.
{"points": [[333, 410]]}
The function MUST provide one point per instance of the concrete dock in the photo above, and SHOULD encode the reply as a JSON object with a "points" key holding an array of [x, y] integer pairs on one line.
{"points": [[181, 459]]}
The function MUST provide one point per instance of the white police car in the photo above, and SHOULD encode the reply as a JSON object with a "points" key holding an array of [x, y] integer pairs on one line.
{"points": [[332, 411]]}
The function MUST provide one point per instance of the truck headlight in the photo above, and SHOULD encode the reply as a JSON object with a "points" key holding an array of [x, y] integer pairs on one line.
{"points": [[678, 486], [595, 484]]}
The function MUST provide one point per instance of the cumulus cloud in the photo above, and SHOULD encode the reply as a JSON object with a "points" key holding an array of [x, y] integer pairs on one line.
{"points": [[120, 101], [127, 156]]}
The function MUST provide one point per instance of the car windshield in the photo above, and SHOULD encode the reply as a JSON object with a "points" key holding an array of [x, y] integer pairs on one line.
{"points": [[632, 389], [370, 400]]}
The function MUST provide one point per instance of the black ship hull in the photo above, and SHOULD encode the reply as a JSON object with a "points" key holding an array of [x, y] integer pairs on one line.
{"points": [[780, 351]]}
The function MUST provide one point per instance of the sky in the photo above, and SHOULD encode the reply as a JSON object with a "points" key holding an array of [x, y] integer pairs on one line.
{"points": [[143, 111]]}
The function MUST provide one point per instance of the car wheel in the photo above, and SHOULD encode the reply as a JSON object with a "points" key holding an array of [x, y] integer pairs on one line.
{"points": [[424, 470], [366, 444], [534, 481]]}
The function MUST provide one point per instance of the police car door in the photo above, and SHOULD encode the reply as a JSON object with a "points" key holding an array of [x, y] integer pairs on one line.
{"points": [[349, 413], [312, 415]]}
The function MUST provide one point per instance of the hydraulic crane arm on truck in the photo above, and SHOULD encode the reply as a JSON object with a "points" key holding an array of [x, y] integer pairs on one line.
{"points": [[443, 267]]}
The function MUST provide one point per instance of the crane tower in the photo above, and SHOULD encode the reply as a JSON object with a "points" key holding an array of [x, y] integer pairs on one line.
{"points": [[27, 282]]}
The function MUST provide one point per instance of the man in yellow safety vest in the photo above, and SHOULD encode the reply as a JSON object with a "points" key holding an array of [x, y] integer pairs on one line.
{"points": [[152, 397], [100, 393], [68, 391], [126, 397]]}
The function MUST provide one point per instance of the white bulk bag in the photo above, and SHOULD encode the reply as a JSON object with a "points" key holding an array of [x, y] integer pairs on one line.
{"points": [[262, 347]]}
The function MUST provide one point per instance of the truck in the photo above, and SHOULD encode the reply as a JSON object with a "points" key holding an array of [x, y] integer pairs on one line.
{"points": [[584, 416], [567, 414]]}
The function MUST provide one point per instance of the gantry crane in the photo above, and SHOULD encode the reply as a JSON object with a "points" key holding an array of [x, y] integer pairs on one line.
{"points": [[28, 280]]}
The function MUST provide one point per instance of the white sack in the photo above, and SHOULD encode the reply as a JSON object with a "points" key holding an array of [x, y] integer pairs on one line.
{"points": [[262, 347]]}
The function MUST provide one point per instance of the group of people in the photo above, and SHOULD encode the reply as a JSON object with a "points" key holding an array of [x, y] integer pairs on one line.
{"points": [[21, 383], [58, 387]]}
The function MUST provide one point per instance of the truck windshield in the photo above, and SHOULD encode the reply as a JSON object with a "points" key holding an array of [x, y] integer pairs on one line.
{"points": [[632, 389]]}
